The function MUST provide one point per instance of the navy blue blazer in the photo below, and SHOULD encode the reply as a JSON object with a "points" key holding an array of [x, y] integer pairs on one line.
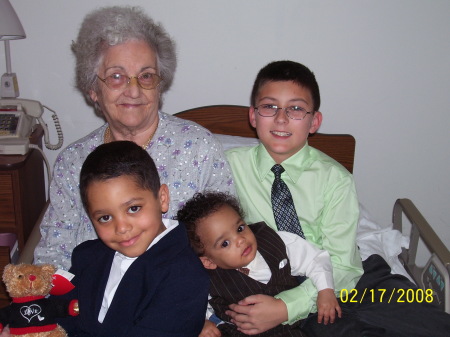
{"points": [[163, 293]]}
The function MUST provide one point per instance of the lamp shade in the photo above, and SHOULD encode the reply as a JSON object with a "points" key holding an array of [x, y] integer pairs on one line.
{"points": [[10, 26]]}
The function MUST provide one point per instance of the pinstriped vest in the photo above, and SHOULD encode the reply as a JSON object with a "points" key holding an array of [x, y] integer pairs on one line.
{"points": [[230, 286]]}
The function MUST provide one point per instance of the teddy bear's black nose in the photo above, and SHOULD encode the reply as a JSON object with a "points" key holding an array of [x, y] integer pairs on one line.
{"points": [[32, 278]]}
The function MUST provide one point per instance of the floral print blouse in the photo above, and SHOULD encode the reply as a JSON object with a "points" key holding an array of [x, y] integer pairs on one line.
{"points": [[188, 157]]}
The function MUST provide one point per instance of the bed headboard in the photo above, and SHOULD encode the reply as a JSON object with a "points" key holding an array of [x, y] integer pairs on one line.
{"points": [[233, 120]]}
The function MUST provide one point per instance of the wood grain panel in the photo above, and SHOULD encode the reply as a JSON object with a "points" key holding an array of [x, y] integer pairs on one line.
{"points": [[4, 260], [7, 214]]}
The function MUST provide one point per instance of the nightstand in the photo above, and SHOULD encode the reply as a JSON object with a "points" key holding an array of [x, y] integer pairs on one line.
{"points": [[22, 190], [22, 197]]}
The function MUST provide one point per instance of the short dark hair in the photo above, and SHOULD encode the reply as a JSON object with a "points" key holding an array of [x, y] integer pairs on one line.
{"points": [[116, 159], [199, 207], [287, 71]]}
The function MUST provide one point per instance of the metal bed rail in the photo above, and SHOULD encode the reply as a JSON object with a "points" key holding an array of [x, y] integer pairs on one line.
{"points": [[435, 274]]}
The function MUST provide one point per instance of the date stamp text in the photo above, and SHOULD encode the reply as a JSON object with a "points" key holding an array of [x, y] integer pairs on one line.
{"points": [[387, 295]]}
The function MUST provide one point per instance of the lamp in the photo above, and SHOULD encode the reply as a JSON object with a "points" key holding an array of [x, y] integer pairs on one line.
{"points": [[10, 29]]}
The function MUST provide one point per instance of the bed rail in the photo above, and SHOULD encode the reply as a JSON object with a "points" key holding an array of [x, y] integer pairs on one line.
{"points": [[435, 274]]}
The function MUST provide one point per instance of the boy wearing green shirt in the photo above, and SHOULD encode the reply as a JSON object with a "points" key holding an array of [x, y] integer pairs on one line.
{"points": [[284, 109]]}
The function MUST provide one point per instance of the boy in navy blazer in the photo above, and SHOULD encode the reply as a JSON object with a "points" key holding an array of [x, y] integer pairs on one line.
{"points": [[140, 278]]}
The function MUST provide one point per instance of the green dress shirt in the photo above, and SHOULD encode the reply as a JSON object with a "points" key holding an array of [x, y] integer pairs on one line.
{"points": [[325, 201]]}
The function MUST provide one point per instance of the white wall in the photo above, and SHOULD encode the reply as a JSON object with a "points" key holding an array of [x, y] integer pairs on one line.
{"points": [[383, 68]]}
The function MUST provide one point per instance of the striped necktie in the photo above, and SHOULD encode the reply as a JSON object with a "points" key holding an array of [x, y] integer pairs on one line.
{"points": [[283, 208]]}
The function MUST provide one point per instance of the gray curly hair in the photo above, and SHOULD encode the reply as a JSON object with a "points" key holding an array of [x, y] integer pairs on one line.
{"points": [[109, 26]]}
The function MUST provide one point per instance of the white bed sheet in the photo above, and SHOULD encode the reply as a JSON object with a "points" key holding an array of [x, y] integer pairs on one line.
{"points": [[385, 241], [372, 238]]}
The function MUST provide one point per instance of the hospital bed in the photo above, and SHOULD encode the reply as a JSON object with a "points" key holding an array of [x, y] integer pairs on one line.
{"points": [[231, 126]]}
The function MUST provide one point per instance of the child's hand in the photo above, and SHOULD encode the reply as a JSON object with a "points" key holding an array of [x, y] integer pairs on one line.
{"points": [[327, 306], [257, 313], [210, 330], [5, 332]]}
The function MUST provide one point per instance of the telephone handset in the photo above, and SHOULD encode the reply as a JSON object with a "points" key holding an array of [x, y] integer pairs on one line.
{"points": [[17, 120]]}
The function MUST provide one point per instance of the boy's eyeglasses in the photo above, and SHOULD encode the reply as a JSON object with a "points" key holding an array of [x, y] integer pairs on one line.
{"points": [[146, 81], [293, 112]]}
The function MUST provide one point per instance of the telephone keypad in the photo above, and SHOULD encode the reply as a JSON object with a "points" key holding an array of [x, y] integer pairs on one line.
{"points": [[8, 124]]}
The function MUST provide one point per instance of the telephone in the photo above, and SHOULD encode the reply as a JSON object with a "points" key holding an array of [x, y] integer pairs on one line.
{"points": [[17, 121]]}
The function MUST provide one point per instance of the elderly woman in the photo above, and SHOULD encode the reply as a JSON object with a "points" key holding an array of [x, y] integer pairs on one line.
{"points": [[125, 62]]}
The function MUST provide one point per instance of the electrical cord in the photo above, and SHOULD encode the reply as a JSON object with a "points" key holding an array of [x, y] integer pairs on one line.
{"points": [[47, 143], [47, 165]]}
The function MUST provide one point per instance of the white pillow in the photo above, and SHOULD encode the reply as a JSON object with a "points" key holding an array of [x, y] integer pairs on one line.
{"points": [[229, 142]]}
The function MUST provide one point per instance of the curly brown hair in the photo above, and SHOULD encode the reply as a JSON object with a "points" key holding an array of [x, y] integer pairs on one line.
{"points": [[199, 207]]}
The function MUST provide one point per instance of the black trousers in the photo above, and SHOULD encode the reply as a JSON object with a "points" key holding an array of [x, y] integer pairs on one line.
{"points": [[380, 305]]}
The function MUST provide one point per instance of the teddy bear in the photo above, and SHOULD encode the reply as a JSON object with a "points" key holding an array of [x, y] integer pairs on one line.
{"points": [[31, 313]]}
